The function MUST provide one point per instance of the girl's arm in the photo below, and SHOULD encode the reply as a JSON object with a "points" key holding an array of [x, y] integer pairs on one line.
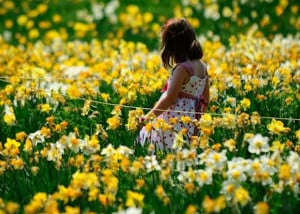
{"points": [[205, 96], [179, 76]]}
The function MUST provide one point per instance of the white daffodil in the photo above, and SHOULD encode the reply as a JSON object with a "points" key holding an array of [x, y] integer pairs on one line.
{"points": [[258, 144], [74, 143], [294, 161], [36, 137], [151, 163], [108, 151], [204, 177], [178, 141], [236, 175], [216, 160], [53, 153], [124, 150]]}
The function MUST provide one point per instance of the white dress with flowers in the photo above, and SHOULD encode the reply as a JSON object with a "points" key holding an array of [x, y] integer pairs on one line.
{"points": [[161, 134]]}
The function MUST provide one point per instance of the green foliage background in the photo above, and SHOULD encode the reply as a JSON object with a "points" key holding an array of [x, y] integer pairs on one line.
{"points": [[282, 16]]}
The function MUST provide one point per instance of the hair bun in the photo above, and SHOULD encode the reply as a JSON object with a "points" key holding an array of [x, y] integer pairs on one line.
{"points": [[195, 49]]}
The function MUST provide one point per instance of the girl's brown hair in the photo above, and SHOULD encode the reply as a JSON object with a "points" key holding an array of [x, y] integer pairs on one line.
{"points": [[179, 42]]}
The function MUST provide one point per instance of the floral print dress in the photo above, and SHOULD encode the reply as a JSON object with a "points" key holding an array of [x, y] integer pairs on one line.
{"points": [[160, 133]]}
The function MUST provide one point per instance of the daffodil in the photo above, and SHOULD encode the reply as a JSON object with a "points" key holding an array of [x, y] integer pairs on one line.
{"points": [[84, 180], [12, 207], [20, 136], [294, 161], [113, 122], [258, 144], [22, 19], [298, 134], [236, 175], [191, 209], [151, 163], [17, 163], [73, 210], [285, 172], [34, 33], [277, 127], [34, 170], [216, 160], [243, 120], [36, 137], [230, 144], [241, 196], [136, 167], [213, 205], [108, 151], [36, 203], [92, 145], [86, 107], [228, 188], [134, 199], [255, 119], [11, 147], [245, 103], [74, 143], [133, 119], [208, 204], [9, 115], [204, 177], [179, 141], [54, 154], [228, 121], [261, 208], [160, 192]]}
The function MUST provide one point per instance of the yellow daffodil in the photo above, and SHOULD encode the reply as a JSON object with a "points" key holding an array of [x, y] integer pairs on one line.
{"points": [[20, 136], [17, 163], [22, 19], [191, 209], [45, 108], [11, 147], [261, 208], [245, 103], [113, 122], [36, 203], [230, 144], [241, 196], [208, 204], [9, 115], [134, 199], [277, 127], [12, 207], [284, 172], [73, 210]]}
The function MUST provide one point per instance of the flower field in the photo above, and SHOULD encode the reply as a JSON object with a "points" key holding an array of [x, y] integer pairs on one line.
{"points": [[75, 76]]}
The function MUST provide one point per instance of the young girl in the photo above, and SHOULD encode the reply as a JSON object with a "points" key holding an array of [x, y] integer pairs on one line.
{"points": [[187, 90]]}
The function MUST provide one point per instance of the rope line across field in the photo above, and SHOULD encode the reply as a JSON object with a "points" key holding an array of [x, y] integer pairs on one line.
{"points": [[145, 108]]}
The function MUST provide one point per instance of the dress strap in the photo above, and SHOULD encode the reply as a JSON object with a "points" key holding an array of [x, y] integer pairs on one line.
{"points": [[188, 67]]}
